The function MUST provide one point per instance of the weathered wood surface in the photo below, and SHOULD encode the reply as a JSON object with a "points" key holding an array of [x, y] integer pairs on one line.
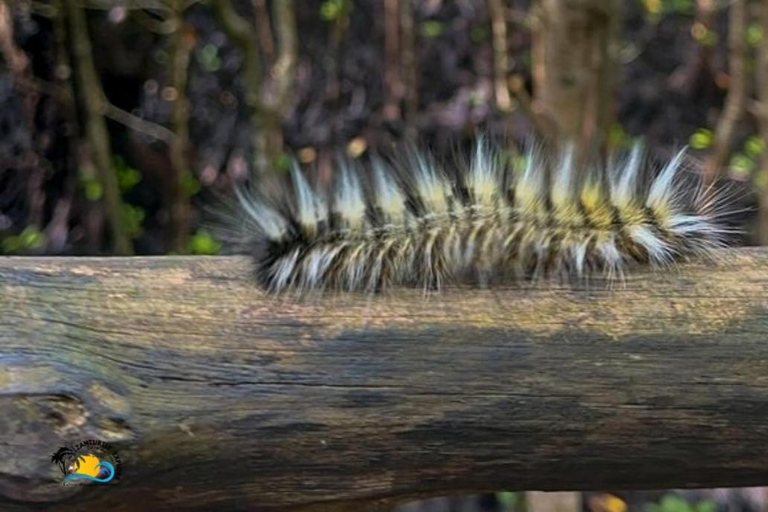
{"points": [[219, 398]]}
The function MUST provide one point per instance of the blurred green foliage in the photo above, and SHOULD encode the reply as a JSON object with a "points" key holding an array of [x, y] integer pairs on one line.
{"points": [[755, 146], [672, 503], [618, 137], [701, 138], [745, 162], [655, 10], [704, 36], [432, 28], [282, 162], [29, 239], [754, 35], [332, 10], [189, 184], [202, 243], [509, 501], [208, 57], [127, 176], [133, 218], [91, 186], [479, 34]]}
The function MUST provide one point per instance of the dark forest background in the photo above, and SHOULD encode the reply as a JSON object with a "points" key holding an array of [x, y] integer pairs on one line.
{"points": [[121, 119]]}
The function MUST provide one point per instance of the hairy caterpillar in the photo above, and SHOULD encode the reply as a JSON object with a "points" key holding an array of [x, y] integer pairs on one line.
{"points": [[412, 223]]}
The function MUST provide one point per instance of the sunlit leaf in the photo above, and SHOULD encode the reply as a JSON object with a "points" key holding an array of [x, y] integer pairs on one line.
{"points": [[202, 243], [93, 190], [754, 34], [701, 139], [741, 165], [133, 218], [754, 146], [432, 28], [189, 184]]}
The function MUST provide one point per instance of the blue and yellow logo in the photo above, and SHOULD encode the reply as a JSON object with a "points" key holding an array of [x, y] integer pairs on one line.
{"points": [[87, 462]]}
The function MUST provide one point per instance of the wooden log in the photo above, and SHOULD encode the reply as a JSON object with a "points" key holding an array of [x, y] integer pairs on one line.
{"points": [[221, 398]]}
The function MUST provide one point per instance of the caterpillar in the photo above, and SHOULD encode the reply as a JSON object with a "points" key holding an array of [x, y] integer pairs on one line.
{"points": [[412, 222]]}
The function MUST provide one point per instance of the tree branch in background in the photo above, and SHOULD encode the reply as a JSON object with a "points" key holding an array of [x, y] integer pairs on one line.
{"points": [[57, 231], [602, 99], [575, 49], [92, 102], [268, 97], [181, 44], [15, 59], [761, 113], [28, 160], [544, 126], [264, 29], [393, 85], [281, 80], [283, 73], [137, 124], [699, 68], [737, 91], [409, 74], [244, 37], [339, 24], [500, 58], [62, 89], [164, 27]]}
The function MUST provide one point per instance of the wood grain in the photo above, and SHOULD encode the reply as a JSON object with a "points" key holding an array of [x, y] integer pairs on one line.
{"points": [[221, 398]]}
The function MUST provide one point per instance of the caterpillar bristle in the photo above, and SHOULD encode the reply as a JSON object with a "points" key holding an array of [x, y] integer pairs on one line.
{"points": [[411, 223]]}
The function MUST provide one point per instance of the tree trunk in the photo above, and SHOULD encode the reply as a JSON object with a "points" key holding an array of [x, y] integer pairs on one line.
{"points": [[575, 53], [92, 102]]}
